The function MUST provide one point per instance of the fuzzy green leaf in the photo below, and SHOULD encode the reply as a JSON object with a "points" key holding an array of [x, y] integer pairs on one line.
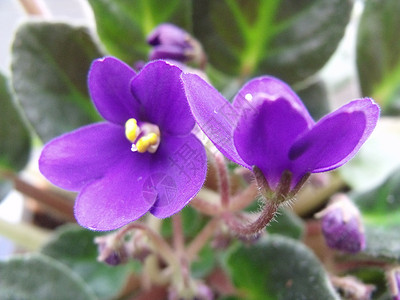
{"points": [[278, 268], [289, 39], [378, 53], [124, 24], [50, 62], [15, 140], [40, 277], [74, 246]]}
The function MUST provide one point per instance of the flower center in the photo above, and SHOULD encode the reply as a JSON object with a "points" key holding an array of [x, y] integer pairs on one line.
{"points": [[145, 137]]}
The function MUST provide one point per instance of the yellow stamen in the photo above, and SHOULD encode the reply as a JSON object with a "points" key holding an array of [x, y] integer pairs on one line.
{"points": [[145, 142], [131, 129], [152, 138]]}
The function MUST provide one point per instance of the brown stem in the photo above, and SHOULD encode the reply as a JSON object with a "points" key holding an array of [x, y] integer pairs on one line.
{"points": [[162, 247], [178, 236], [255, 227], [223, 179], [205, 207], [245, 198], [55, 202], [201, 239]]}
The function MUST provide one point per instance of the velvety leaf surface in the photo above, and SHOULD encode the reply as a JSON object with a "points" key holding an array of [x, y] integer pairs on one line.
{"points": [[15, 141], [278, 268], [288, 39], [74, 246], [380, 209], [40, 277], [378, 53], [50, 62], [123, 25]]}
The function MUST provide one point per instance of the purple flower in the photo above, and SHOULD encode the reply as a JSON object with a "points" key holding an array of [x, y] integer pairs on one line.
{"points": [[267, 126], [172, 42], [342, 225], [142, 158]]}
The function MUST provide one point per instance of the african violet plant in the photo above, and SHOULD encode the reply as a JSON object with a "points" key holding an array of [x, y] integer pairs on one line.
{"points": [[195, 138]]}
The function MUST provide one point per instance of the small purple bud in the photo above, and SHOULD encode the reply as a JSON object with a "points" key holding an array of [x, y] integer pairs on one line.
{"points": [[342, 225], [393, 277], [111, 251], [168, 34], [172, 42]]}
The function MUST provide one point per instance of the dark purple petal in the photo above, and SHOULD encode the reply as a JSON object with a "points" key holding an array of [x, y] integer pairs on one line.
{"points": [[168, 52], [214, 114], [160, 92], [177, 173], [336, 138], [117, 198], [109, 86], [272, 88], [265, 134], [168, 34], [73, 159]]}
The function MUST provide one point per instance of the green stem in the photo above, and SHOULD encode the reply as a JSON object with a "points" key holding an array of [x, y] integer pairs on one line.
{"points": [[24, 235]]}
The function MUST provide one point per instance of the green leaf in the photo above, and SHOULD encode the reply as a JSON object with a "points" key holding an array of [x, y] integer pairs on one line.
{"points": [[50, 62], [381, 206], [377, 159], [124, 24], [378, 53], [278, 268], [380, 209], [288, 39], [74, 246], [40, 277], [383, 242], [192, 223], [15, 143], [288, 224]]}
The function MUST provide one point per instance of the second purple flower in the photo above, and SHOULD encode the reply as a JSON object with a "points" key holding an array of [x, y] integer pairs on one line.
{"points": [[268, 127]]}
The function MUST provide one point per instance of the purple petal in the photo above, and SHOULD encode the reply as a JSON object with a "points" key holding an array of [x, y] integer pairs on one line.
{"points": [[168, 34], [117, 198], [265, 133], [159, 90], [273, 88], [109, 86], [168, 52], [336, 138], [214, 114], [73, 159], [178, 173], [341, 234]]}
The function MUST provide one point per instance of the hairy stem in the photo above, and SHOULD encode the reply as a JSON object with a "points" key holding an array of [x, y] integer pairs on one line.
{"points": [[267, 214]]}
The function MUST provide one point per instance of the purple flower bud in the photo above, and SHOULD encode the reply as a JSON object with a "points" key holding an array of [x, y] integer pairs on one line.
{"points": [[168, 34], [111, 251], [342, 225], [172, 42], [393, 277]]}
